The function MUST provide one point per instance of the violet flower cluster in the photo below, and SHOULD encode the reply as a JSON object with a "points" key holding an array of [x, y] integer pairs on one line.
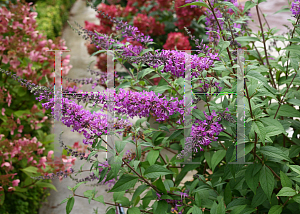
{"points": [[142, 104], [202, 134], [211, 22], [295, 7], [81, 120], [174, 62]]}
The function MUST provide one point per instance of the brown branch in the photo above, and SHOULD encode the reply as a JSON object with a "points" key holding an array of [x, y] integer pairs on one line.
{"points": [[264, 42]]}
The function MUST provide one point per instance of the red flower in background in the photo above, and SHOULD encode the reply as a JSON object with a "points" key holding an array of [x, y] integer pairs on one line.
{"points": [[185, 15], [179, 40]]}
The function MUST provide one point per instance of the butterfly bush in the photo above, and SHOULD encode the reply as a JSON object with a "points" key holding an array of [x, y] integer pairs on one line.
{"points": [[295, 7], [212, 133]]}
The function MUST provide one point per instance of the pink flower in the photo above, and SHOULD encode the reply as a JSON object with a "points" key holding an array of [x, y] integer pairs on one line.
{"points": [[1, 188], [1, 135], [14, 63], [5, 59], [33, 56], [20, 128], [15, 182], [5, 164], [11, 189], [30, 159], [50, 154], [3, 110]]}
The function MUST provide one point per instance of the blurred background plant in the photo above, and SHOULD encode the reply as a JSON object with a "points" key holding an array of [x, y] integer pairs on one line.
{"points": [[24, 125]]}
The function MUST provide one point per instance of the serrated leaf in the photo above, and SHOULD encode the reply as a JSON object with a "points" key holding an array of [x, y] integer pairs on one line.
{"points": [[266, 180], [293, 48], [64, 201], [139, 191], [259, 198], [195, 210], [152, 156], [260, 130], [295, 168], [227, 194], [133, 210], [100, 199], [295, 102], [285, 181], [286, 191], [217, 157], [258, 76], [296, 198], [155, 171], [175, 135], [275, 152], [144, 72], [276, 209], [124, 183]]}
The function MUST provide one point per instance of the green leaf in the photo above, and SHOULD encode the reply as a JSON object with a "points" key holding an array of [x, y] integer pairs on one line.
{"points": [[259, 198], [283, 10], [92, 154], [162, 207], [19, 113], [30, 170], [47, 185], [201, 18], [285, 181], [70, 205], [100, 199], [258, 76], [293, 48], [274, 152], [195, 210], [286, 191], [295, 168], [216, 158], [230, 5], [100, 51], [2, 197], [144, 72], [120, 145], [223, 45], [152, 156], [124, 183], [296, 198], [160, 185], [175, 135], [64, 201], [155, 171], [286, 111], [200, 4], [266, 180], [133, 210], [168, 184], [139, 191], [162, 89], [260, 130], [276, 209], [247, 39], [238, 209], [247, 6], [227, 194], [295, 102]]}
